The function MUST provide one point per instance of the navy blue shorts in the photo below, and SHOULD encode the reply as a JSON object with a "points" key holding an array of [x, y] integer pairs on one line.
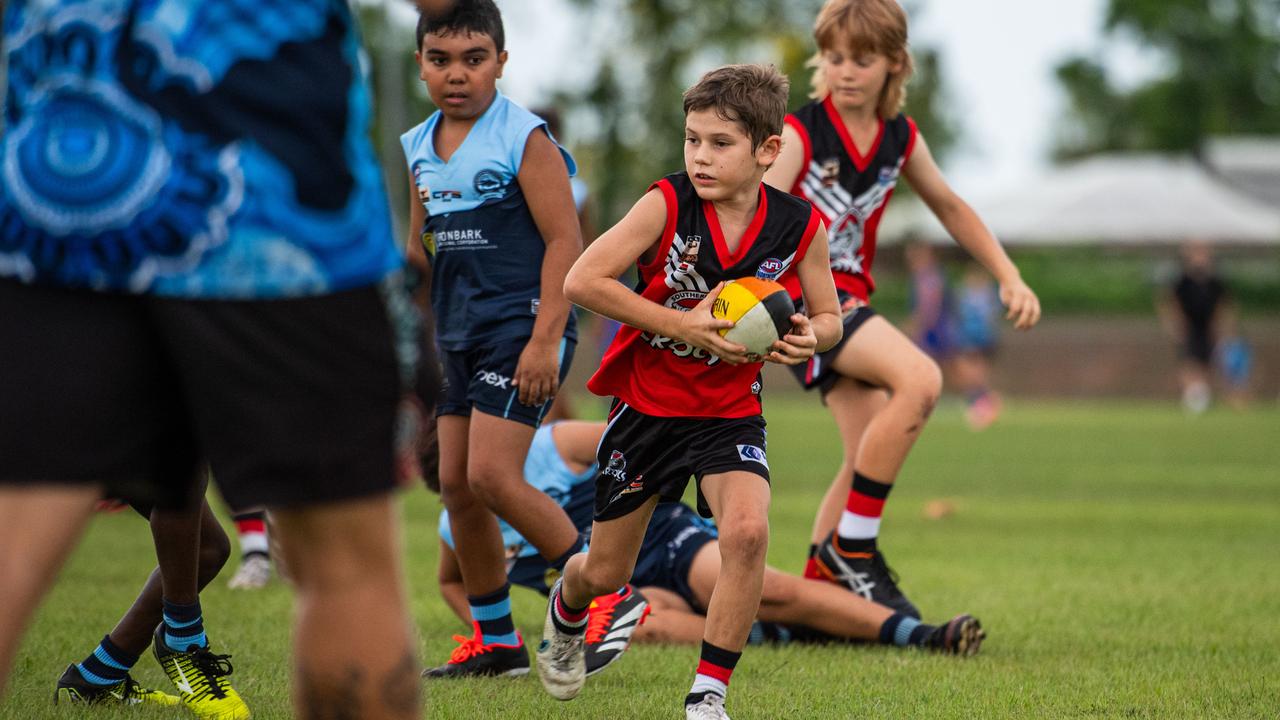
{"points": [[480, 378], [674, 537], [818, 373], [641, 456], [676, 534]]}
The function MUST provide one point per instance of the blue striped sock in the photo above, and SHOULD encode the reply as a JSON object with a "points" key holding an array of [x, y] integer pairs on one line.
{"points": [[902, 630], [107, 664], [183, 626], [492, 612]]}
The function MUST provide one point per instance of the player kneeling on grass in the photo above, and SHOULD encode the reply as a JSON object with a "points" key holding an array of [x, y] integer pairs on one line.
{"points": [[686, 400], [676, 573]]}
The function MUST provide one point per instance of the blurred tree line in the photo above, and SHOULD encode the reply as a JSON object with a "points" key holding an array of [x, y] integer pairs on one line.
{"points": [[626, 125], [1223, 59]]}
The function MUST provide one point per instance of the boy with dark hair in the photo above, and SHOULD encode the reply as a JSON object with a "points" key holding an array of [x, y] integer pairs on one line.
{"points": [[493, 214], [686, 400]]}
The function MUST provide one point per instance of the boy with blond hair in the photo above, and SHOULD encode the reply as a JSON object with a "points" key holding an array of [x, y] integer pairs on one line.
{"points": [[686, 401], [844, 152]]}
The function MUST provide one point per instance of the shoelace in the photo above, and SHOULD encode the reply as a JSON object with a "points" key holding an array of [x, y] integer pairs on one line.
{"points": [[468, 647], [214, 668], [598, 622]]}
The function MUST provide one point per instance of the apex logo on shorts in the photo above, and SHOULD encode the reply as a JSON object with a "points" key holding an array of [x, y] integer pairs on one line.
{"points": [[488, 377], [617, 467], [636, 486], [752, 453]]}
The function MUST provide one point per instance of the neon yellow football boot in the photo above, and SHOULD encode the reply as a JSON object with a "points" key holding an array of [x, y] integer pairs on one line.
{"points": [[202, 679]]}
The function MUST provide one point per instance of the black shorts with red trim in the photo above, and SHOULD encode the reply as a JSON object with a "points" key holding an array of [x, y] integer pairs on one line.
{"points": [[641, 456], [292, 402], [818, 372]]}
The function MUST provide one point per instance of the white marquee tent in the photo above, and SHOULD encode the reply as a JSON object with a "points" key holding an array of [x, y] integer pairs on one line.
{"points": [[1113, 200]]}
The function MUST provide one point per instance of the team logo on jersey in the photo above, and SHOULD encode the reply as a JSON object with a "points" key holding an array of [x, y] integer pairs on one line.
{"points": [[770, 269], [424, 192], [685, 300], [830, 172], [690, 254], [756, 388], [751, 453], [429, 243], [488, 184], [846, 242], [617, 466], [888, 175]]}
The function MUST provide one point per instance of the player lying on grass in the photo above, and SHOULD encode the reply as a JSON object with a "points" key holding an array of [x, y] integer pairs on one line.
{"points": [[676, 573]]}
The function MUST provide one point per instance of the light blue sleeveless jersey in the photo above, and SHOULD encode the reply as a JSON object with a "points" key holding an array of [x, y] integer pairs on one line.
{"points": [[485, 249]]}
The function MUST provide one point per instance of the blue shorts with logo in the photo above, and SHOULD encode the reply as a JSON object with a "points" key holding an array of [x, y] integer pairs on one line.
{"points": [[676, 534], [674, 537], [481, 379]]}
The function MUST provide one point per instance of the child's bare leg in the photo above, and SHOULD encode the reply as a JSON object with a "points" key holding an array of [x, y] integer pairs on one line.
{"points": [[39, 526], [852, 404], [881, 355], [477, 539], [605, 567], [495, 471]]}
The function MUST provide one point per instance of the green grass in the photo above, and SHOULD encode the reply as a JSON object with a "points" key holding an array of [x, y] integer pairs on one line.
{"points": [[1123, 558]]}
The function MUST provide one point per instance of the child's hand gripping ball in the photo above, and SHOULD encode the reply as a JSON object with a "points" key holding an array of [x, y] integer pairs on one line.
{"points": [[761, 311]]}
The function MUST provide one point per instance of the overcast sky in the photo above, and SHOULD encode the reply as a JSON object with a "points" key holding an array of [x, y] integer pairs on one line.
{"points": [[998, 59]]}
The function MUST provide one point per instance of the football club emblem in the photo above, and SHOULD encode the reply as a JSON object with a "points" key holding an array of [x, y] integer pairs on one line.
{"points": [[690, 254], [830, 172]]}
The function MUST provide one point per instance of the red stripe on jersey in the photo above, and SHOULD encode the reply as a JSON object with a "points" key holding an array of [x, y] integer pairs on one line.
{"points": [[911, 140], [647, 270], [712, 670], [864, 505], [729, 259], [860, 161], [803, 132]]}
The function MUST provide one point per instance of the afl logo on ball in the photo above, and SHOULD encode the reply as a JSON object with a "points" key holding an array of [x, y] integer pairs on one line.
{"points": [[770, 269]]}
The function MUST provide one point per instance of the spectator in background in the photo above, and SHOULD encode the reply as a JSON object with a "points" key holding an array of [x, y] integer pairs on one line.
{"points": [[929, 325], [977, 311], [1192, 310]]}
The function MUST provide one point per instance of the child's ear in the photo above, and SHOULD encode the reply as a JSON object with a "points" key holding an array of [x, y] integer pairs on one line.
{"points": [[767, 153], [422, 69], [897, 63], [502, 61]]}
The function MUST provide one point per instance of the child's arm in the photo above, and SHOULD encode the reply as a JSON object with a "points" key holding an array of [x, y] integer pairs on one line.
{"points": [[593, 284], [449, 576], [969, 231], [544, 179], [823, 327], [787, 168]]}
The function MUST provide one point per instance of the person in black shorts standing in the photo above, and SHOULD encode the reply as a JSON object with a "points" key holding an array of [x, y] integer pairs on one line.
{"points": [[194, 246], [1192, 310]]}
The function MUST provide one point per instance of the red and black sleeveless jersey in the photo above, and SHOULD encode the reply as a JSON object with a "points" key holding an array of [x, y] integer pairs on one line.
{"points": [[668, 377], [849, 189]]}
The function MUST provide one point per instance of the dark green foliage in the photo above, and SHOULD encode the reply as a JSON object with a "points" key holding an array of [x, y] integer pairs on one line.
{"points": [[1222, 77]]}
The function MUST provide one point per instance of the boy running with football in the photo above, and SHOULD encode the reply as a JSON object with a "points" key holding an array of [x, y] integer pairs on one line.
{"points": [[686, 401]]}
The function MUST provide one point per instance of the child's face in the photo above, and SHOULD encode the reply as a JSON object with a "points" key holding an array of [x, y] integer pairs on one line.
{"points": [[856, 79], [461, 72], [719, 158]]}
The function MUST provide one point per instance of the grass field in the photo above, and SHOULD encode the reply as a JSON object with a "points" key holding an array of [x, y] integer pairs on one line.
{"points": [[1124, 558]]}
